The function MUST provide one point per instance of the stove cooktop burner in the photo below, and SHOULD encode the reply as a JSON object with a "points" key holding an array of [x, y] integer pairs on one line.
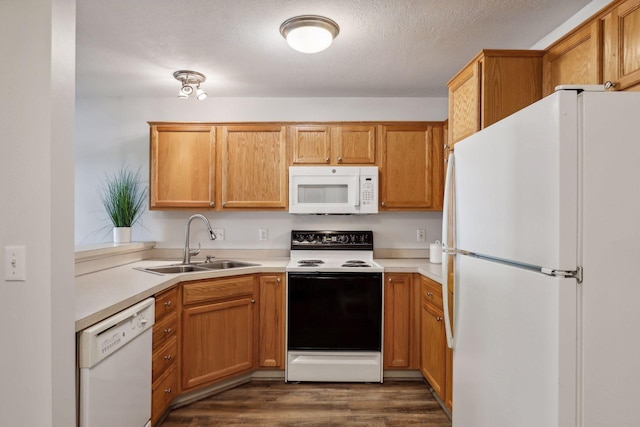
{"points": [[310, 261], [354, 261], [357, 264]]}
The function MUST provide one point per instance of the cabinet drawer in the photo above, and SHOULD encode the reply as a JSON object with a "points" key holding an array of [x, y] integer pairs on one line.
{"points": [[163, 392], [432, 292], [164, 330], [199, 292], [166, 303], [164, 357]]}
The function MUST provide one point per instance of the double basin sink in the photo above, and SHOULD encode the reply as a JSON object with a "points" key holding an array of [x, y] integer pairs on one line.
{"points": [[222, 264]]}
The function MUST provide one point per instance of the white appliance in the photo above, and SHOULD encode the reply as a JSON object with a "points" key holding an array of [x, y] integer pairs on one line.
{"points": [[334, 308], [333, 189], [547, 301], [115, 369]]}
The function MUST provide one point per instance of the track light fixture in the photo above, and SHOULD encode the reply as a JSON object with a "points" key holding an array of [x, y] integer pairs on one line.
{"points": [[189, 79]]}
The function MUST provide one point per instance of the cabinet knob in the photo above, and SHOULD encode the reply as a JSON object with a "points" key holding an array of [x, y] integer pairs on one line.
{"points": [[224, 204], [609, 84], [278, 280], [429, 294], [212, 204], [167, 390], [327, 159], [167, 357], [446, 160], [167, 331], [339, 159], [167, 304], [382, 203], [438, 318], [253, 301]]}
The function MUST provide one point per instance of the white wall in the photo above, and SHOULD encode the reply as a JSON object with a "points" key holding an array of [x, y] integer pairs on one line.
{"points": [[583, 14], [37, 45], [113, 131]]}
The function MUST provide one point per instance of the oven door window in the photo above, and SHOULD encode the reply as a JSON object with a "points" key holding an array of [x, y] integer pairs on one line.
{"points": [[334, 311]]}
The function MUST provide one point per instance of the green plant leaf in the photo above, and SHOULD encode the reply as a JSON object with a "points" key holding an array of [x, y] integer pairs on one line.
{"points": [[123, 197]]}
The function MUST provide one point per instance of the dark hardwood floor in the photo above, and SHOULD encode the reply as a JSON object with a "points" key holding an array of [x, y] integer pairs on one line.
{"points": [[271, 403]]}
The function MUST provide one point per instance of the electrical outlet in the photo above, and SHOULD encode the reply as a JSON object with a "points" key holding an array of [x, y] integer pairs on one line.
{"points": [[219, 232], [263, 234], [421, 235], [14, 263]]}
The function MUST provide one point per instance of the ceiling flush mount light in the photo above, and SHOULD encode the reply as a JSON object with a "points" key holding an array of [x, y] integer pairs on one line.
{"points": [[309, 33], [189, 79]]}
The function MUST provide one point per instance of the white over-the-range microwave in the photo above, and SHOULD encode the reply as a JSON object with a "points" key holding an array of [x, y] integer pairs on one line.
{"points": [[333, 189]]}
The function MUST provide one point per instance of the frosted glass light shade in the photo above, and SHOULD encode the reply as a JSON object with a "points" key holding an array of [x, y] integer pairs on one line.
{"points": [[309, 34]]}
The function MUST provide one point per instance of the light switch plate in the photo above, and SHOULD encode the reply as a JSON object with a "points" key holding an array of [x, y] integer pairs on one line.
{"points": [[14, 263], [263, 234]]}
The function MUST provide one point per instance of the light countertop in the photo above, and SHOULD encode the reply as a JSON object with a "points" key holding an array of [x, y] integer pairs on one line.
{"points": [[103, 293]]}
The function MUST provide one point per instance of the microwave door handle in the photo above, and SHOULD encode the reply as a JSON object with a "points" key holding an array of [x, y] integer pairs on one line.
{"points": [[357, 192]]}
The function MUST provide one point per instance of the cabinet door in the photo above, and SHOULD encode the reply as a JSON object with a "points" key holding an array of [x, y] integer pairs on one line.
{"points": [[355, 144], [576, 59], [622, 45], [510, 81], [218, 341], [272, 303], [182, 166], [311, 144], [401, 322], [411, 170], [464, 103], [254, 166], [433, 348]]}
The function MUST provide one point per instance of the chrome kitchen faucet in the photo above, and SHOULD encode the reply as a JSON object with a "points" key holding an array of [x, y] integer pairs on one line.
{"points": [[186, 259]]}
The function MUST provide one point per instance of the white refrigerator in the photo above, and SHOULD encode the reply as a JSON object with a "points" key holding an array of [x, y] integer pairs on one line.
{"points": [[545, 328]]}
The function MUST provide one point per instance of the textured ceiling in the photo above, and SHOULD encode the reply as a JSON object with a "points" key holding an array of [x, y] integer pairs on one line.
{"points": [[386, 48]]}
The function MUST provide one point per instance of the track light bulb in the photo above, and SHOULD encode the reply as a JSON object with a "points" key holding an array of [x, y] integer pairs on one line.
{"points": [[200, 94]]}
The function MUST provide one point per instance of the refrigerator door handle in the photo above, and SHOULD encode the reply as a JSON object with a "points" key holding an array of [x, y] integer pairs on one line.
{"points": [[447, 251]]}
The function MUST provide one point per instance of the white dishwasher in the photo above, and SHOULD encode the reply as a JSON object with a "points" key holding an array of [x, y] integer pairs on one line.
{"points": [[115, 369]]}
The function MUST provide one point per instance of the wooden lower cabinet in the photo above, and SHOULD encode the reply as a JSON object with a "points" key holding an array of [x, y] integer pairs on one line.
{"points": [[164, 370], [433, 341], [448, 388], [401, 322], [218, 321], [271, 307]]}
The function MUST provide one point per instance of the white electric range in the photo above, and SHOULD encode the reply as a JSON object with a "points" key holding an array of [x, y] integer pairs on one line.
{"points": [[334, 308]]}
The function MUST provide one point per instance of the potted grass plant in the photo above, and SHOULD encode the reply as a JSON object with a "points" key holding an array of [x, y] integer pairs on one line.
{"points": [[123, 197]]}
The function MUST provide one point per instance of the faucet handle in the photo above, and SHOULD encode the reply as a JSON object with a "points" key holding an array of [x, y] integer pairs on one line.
{"points": [[209, 258], [194, 252]]}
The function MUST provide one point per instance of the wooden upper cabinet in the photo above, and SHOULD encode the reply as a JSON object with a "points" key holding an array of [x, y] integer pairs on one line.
{"points": [[494, 85], [622, 46], [311, 144], [464, 103], [254, 166], [411, 167], [344, 144], [182, 170], [355, 144], [575, 59]]}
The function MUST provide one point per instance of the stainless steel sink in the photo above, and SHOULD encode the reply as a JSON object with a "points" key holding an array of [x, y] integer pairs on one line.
{"points": [[222, 264], [171, 269]]}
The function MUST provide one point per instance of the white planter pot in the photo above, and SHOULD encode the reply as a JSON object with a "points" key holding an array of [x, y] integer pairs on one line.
{"points": [[121, 234]]}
